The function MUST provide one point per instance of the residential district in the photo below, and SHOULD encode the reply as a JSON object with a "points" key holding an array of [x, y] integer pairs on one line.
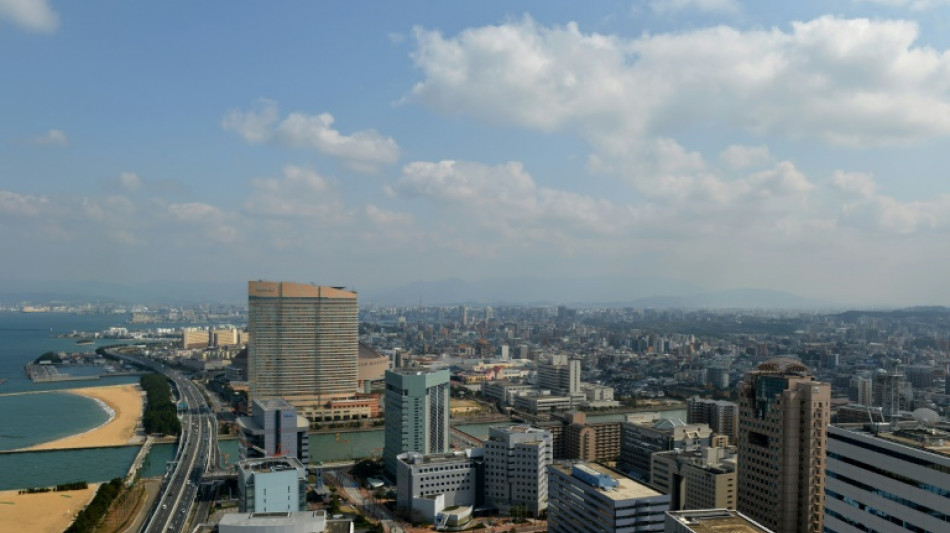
{"points": [[601, 419]]}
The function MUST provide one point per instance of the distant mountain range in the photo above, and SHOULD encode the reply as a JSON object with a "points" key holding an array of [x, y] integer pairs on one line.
{"points": [[614, 291], [611, 291]]}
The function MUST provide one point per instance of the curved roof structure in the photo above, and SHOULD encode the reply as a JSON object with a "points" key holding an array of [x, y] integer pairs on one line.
{"points": [[784, 365]]}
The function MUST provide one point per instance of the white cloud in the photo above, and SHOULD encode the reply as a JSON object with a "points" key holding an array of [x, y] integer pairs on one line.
{"points": [[915, 5], [738, 156], [855, 82], [363, 151], [193, 211], [16, 204], [711, 6], [867, 209], [854, 182], [297, 193], [34, 15], [386, 218], [506, 196], [52, 137], [255, 126], [130, 181]]}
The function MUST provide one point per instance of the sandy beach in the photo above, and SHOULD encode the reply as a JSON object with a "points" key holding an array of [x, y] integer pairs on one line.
{"points": [[125, 402], [49, 512]]}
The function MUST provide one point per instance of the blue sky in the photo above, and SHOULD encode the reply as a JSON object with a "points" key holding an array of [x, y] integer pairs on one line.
{"points": [[798, 147]]}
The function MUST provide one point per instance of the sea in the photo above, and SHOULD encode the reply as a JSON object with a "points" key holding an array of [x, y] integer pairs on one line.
{"points": [[38, 413], [31, 413]]}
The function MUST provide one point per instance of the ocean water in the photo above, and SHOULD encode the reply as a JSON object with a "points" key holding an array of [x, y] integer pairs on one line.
{"points": [[43, 469], [30, 419]]}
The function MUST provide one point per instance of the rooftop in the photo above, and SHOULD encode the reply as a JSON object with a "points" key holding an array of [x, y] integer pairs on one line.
{"points": [[274, 519], [625, 489], [717, 521], [271, 464]]}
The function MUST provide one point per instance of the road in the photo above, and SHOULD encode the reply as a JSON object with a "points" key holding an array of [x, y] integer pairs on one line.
{"points": [[196, 450]]}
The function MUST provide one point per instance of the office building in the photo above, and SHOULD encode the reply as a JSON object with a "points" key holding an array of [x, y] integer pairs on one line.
{"points": [[721, 416], [696, 479], [417, 415], [272, 485], [590, 498], [712, 521], [645, 433], [428, 484], [783, 415], [274, 429], [304, 345], [562, 376], [516, 468], [888, 478]]}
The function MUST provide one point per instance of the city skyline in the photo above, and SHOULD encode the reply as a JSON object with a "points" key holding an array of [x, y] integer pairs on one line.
{"points": [[718, 143]]}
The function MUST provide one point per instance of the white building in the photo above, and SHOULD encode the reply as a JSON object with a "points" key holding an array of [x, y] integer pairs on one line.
{"points": [[427, 484], [516, 461], [890, 481], [290, 522], [590, 498], [272, 485]]}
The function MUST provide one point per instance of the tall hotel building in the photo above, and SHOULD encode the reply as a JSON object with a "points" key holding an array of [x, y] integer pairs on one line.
{"points": [[417, 415], [783, 419], [304, 344]]}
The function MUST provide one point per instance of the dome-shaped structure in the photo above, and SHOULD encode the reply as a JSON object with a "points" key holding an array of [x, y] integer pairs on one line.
{"points": [[784, 365]]}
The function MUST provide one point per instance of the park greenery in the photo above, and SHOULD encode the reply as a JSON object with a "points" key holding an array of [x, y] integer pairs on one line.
{"points": [[161, 415]]}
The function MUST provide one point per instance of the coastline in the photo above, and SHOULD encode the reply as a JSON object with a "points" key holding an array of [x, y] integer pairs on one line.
{"points": [[123, 404], [47, 512]]}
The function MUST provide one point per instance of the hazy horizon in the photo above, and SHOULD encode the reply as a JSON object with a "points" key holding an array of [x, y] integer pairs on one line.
{"points": [[719, 144]]}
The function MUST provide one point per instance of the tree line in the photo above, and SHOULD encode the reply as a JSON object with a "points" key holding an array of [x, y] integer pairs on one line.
{"points": [[90, 517], [161, 415]]}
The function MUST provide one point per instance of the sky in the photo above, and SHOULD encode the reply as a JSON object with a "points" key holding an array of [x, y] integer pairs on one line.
{"points": [[800, 148]]}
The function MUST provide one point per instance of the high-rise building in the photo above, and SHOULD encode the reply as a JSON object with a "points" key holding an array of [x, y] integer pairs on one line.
{"points": [[783, 416], [590, 498], [516, 468], [887, 478], [417, 414], [304, 344], [721, 416], [273, 430]]}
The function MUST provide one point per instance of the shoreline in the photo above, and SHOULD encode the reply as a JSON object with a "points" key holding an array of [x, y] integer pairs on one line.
{"points": [[124, 406]]}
